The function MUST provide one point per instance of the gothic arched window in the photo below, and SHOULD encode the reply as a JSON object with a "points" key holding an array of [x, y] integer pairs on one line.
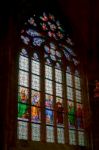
{"points": [[50, 101]]}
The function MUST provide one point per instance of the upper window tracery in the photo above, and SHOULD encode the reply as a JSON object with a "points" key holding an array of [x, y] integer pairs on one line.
{"points": [[49, 91]]}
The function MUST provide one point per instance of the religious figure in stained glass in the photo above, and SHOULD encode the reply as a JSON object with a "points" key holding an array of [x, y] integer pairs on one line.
{"points": [[22, 106], [59, 111], [79, 115]]}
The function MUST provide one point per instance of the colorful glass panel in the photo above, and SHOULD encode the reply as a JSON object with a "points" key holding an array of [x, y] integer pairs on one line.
{"points": [[49, 134], [23, 63], [35, 114], [35, 98], [48, 72], [49, 101], [60, 135], [35, 67], [48, 86], [72, 137], [35, 82], [79, 115], [71, 115], [59, 111], [23, 78], [22, 130], [49, 116], [35, 132], [23, 95], [69, 93], [58, 75], [37, 41]]}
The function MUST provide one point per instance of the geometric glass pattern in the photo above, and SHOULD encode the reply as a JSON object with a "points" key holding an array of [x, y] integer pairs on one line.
{"points": [[58, 75], [35, 67], [35, 132], [23, 63], [48, 85], [69, 93], [78, 96], [22, 130], [48, 72], [60, 135], [58, 89], [77, 83], [35, 82], [81, 138], [49, 134], [69, 79], [72, 137], [23, 78]]}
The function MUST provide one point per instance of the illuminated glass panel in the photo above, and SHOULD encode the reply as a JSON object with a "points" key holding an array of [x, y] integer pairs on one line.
{"points": [[49, 116], [35, 82], [35, 67], [60, 135], [49, 134], [23, 94], [81, 139], [48, 86], [38, 41], [35, 114], [23, 111], [23, 63], [35, 132], [69, 93], [23, 52], [58, 89], [77, 83], [35, 98], [58, 75], [35, 57], [78, 96], [59, 111], [69, 79], [48, 72], [71, 114], [23, 78], [79, 115], [49, 101], [72, 137], [22, 130]]}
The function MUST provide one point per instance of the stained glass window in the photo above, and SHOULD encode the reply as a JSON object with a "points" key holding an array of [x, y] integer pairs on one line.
{"points": [[50, 100]]}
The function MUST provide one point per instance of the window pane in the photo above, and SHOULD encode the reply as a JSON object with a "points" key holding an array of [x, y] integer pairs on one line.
{"points": [[49, 101], [59, 111], [23, 78], [77, 83], [49, 134], [49, 116], [69, 79], [72, 137], [35, 82], [35, 132], [78, 96], [23, 113], [79, 116], [35, 98], [48, 86], [23, 94], [48, 72], [58, 89], [35, 114], [69, 93], [81, 140], [71, 114], [58, 75], [60, 135], [35, 67], [23, 63], [22, 130]]}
